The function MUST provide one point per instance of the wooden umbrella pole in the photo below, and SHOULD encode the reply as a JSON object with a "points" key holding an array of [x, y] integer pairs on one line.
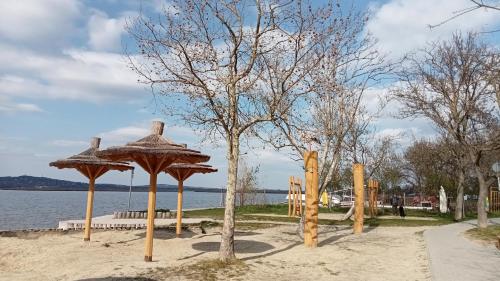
{"points": [[148, 255], [178, 228], [359, 198], [90, 205]]}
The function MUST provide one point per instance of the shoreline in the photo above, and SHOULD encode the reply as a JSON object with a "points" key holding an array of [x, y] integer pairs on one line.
{"points": [[271, 191]]}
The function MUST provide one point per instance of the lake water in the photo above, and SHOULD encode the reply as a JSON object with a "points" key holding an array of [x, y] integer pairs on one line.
{"points": [[44, 209]]}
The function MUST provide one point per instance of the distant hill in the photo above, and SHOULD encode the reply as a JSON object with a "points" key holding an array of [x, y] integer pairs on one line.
{"points": [[48, 184]]}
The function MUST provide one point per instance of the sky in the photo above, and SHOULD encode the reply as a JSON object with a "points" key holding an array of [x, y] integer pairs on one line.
{"points": [[64, 79]]}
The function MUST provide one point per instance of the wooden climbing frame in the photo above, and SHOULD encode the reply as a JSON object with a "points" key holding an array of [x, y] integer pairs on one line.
{"points": [[294, 197]]}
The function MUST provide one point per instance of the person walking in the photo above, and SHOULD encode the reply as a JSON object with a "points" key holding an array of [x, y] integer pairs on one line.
{"points": [[402, 210]]}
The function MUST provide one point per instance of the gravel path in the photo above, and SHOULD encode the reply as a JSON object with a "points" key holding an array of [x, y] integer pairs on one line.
{"points": [[454, 257]]}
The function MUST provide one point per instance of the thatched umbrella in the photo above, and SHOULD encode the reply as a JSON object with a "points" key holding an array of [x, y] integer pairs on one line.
{"points": [[91, 167], [153, 153], [182, 172]]}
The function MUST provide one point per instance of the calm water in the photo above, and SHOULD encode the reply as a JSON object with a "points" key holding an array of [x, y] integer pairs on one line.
{"points": [[44, 209]]}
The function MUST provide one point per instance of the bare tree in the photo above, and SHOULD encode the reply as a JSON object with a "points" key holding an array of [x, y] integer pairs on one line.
{"points": [[493, 5], [327, 116], [227, 66], [246, 187], [447, 83]]}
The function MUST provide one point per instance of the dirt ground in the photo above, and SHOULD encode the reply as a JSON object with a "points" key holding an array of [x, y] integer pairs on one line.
{"points": [[273, 253]]}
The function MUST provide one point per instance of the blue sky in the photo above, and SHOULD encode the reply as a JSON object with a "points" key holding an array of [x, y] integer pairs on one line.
{"points": [[63, 80]]}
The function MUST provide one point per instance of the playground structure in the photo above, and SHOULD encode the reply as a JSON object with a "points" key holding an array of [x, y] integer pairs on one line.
{"points": [[295, 197], [373, 187]]}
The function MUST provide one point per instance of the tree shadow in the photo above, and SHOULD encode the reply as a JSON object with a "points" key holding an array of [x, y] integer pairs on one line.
{"points": [[273, 252], [191, 256], [165, 234], [240, 246], [111, 278], [332, 239]]}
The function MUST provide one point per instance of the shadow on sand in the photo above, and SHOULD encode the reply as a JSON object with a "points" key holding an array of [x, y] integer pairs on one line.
{"points": [[167, 233], [118, 279], [240, 246]]}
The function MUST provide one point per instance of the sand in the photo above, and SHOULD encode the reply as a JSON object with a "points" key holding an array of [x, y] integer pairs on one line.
{"points": [[276, 253]]}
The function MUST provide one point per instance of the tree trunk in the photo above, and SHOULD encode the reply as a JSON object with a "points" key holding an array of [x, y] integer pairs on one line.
{"points": [[226, 251], [482, 216], [459, 215]]}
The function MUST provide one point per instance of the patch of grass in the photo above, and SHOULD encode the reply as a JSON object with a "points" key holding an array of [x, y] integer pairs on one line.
{"points": [[218, 213], [215, 213], [247, 213], [489, 234], [209, 270], [276, 209]]}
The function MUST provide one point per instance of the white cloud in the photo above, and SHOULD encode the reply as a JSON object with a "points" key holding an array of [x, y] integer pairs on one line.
{"points": [[9, 106], [76, 75], [105, 33], [401, 25], [38, 21]]}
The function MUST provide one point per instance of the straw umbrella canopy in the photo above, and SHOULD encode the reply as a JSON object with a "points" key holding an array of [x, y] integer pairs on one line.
{"points": [[182, 172], [92, 167], [153, 153]]}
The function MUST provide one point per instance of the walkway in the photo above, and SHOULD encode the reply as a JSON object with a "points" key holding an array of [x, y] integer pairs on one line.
{"points": [[454, 258]]}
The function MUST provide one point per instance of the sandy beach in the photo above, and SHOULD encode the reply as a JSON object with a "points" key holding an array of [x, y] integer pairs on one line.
{"points": [[272, 253]]}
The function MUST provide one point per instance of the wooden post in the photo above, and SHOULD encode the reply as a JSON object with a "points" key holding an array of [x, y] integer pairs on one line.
{"points": [[290, 186], [358, 171], [90, 205], [311, 225], [148, 255], [370, 198], [299, 181], [178, 228]]}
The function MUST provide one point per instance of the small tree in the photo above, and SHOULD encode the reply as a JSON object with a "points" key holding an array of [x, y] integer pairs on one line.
{"points": [[334, 110], [227, 66], [247, 186]]}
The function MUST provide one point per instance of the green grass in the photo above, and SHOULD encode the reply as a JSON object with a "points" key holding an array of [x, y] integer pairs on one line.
{"points": [[215, 213], [247, 213], [489, 234]]}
